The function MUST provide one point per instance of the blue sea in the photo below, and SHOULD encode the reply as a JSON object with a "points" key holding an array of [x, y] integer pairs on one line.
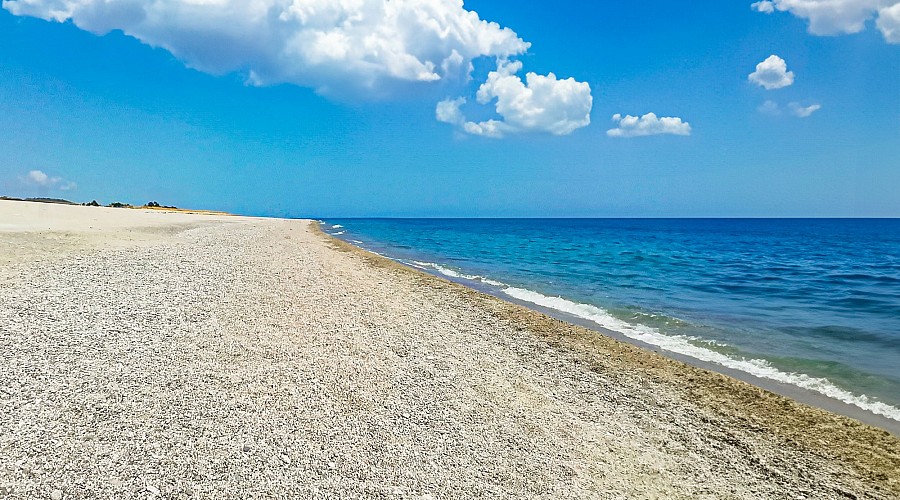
{"points": [[810, 302]]}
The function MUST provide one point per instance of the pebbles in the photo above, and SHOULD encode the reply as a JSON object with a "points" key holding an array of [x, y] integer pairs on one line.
{"points": [[226, 361]]}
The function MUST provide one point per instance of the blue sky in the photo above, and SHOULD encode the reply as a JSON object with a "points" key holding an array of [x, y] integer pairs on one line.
{"points": [[258, 129]]}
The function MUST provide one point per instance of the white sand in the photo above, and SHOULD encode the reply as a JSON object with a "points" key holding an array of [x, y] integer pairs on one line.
{"points": [[155, 354]]}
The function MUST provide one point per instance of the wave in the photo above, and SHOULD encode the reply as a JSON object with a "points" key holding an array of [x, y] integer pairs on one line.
{"points": [[682, 345], [339, 233], [446, 271], [336, 226]]}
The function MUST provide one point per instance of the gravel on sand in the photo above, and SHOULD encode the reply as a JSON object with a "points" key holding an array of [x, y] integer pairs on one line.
{"points": [[233, 357]]}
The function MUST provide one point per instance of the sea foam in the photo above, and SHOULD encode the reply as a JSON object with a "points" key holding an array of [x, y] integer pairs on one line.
{"points": [[446, 271], [682, 345]]}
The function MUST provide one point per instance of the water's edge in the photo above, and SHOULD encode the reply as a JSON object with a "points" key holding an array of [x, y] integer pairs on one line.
{"points": [[800, 394]]}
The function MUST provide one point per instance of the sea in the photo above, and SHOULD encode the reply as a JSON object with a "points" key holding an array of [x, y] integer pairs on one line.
{"points": [[812, 303]]}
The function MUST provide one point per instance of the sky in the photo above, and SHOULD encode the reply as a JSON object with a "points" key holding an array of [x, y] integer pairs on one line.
{"points": [[435, 108]]}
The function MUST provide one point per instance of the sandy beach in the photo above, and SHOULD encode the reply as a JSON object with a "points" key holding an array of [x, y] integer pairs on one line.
{"points": [[172, 355]]}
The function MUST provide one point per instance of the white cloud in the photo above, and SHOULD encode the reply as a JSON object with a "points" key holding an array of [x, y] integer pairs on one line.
{"points": [[489, 128], [541, 103], [766, 7], [770, 108], [360, 48], [649, 124], [448, 111], [40, 179], [772, 74], [330, 45], [889, 23], [833, 17], [801, 111]]}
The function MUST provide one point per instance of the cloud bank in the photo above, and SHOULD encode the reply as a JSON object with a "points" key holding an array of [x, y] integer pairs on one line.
{"points": [[834, 17], [360, 48], [772, 74], [40, 179], [540, 103], [649, 124]]}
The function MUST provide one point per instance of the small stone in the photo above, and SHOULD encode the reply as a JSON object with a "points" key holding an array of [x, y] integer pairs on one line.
{"points": [[331, 465], [153, 490], [246, 448], [56, 495], [285, 458]]}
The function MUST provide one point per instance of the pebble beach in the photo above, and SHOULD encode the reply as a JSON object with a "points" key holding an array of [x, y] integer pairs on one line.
{"points": [[149, 354]]}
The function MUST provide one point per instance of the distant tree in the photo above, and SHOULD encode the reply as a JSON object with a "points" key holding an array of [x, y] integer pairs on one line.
{"points": [[153, 204], [93, 203], [117, 204]]}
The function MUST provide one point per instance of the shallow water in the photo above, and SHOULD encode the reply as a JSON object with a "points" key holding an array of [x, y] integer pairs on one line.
{"points": [[810, 302]]}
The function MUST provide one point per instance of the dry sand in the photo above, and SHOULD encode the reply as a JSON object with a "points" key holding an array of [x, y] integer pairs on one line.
{"points": [[150, 354]]}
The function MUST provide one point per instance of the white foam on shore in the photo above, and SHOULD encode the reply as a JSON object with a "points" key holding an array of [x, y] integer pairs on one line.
{"points": [[682, 345], [339, 233], [446, 271]]}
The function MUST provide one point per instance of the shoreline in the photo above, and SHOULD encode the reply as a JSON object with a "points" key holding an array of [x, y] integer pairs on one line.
{"points": [[797, 393], [745, 403], [182, 356]]}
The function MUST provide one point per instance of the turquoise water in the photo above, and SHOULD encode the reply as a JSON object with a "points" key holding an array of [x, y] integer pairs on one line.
{"points": [[814, 303]]}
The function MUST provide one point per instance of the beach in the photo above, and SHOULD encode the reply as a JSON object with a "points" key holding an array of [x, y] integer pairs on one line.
{"points": [[193, 356]]}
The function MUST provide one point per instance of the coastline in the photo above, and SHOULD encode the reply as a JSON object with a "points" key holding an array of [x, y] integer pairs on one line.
{"points": [[818, 392], [169, 355], [742, 399]]}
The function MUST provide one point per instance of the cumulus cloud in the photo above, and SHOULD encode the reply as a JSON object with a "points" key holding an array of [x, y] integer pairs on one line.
{"points": [[540, 103], [801, 111], [355, 45], [889, 23], [649, 124], [766, 7], [772, 74], [833, 17], [361, 48], [448, 111], [40, 179]]}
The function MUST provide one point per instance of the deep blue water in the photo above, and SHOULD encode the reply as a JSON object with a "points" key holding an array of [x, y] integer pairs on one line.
{"points": [[812, 302]]}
